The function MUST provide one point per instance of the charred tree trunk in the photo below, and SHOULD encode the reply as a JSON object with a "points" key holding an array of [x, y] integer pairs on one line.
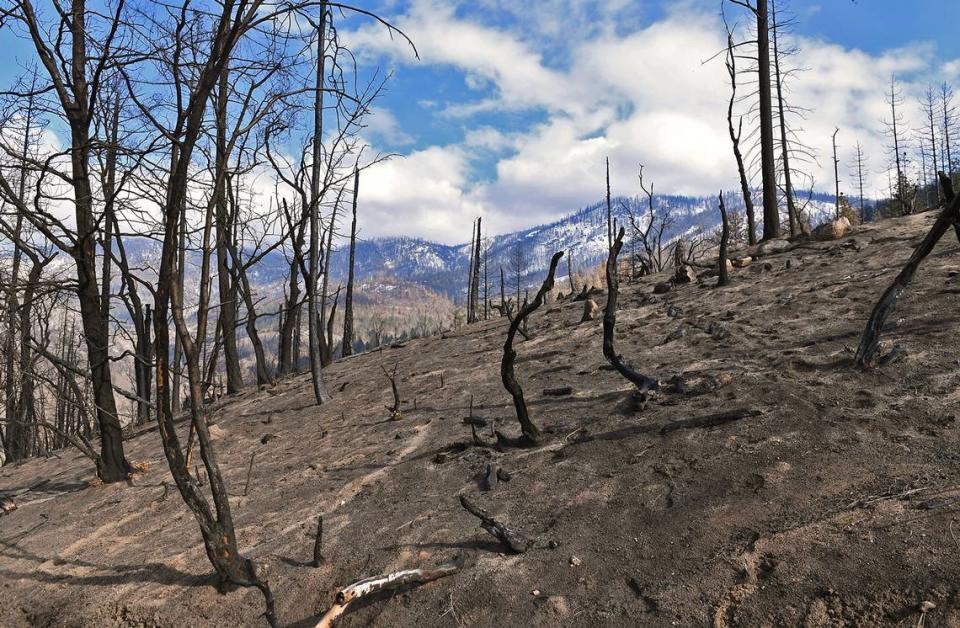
{"points": [[530, 432], [870, 341], [475, 278], [643, 383], [348, 298], [313, 323], [226, 283], [723, 278], [771, 213]]}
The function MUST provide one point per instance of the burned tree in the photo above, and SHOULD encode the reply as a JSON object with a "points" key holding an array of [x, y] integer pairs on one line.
{"points": [[735, 136], [768, 168], [530, 433], [870, 340], [75, 76], [347, 348], [723, 277], [644, 384], [395, 413]]}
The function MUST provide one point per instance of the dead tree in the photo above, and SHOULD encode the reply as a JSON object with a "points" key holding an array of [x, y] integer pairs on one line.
{"points": [[651, 235], [394, 410], [870, 340], [768, 168], [644, 384], [793, 213], [928, 104], [836, 172], [530, 432], [735, 140], [75, 79], [475, 278], [313, 316], [860, 172], [949, 119], [723, 277], [348, 298], [894, 130]]}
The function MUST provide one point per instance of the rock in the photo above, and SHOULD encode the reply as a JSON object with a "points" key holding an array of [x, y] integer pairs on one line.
{"points": [[663, 287], [926, 606], [575, 562], [489, 481], [263, 441], [216, 432], [771, 247], [674, 312], [832, 230], [591, 311], [742, 262], [685, 274], [535, 592]]}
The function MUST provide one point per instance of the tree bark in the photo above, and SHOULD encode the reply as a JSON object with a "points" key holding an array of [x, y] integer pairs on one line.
{"points": [[771, 213], [348, 298], [314, 330]]}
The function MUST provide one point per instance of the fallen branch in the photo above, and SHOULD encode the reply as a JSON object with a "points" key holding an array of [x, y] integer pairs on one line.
{"points": [[710, 420], [516, 542], [368, 586]]}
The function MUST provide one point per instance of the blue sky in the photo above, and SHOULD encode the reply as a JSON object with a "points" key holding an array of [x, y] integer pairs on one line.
{"points": [[513, 107]]}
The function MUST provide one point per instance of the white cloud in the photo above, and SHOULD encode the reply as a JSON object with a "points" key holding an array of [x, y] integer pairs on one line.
{"points": [[638, 95]]}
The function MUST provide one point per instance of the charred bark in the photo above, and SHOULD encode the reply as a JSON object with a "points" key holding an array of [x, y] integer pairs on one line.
{"points": [[530, 432], [643, 383]]}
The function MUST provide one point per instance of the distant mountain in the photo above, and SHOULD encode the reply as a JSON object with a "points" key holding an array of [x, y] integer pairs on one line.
{"points": [[444, 268]]}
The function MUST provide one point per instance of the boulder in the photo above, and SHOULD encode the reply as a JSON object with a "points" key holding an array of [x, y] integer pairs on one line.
{"points": [[742, 262], [591, 311], [832, 230], [684, 274], [770, 247]]}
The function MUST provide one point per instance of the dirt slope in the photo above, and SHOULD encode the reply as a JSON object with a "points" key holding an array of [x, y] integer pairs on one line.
{"points": [[835, 506]]}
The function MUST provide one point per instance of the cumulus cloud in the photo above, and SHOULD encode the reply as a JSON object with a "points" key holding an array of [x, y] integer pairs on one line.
{"points": [[636, 92]]}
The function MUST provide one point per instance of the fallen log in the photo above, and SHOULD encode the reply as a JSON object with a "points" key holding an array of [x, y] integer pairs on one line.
{"points": [[562, 391], [385, 582], [515, 542], [710, 420]]}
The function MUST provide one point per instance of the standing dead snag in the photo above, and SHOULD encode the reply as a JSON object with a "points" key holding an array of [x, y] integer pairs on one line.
{"points": [[395, 413], [530, 432], [724, 276], [643, 383], [870, 341]]}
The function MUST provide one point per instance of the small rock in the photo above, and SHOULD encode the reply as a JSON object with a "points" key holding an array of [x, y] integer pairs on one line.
{"points": [[535, 592], [926, 606], [674, 312], [663, 287], [216, 432], [575, 562], [267, 438], [553, 544], [591, 311]]}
